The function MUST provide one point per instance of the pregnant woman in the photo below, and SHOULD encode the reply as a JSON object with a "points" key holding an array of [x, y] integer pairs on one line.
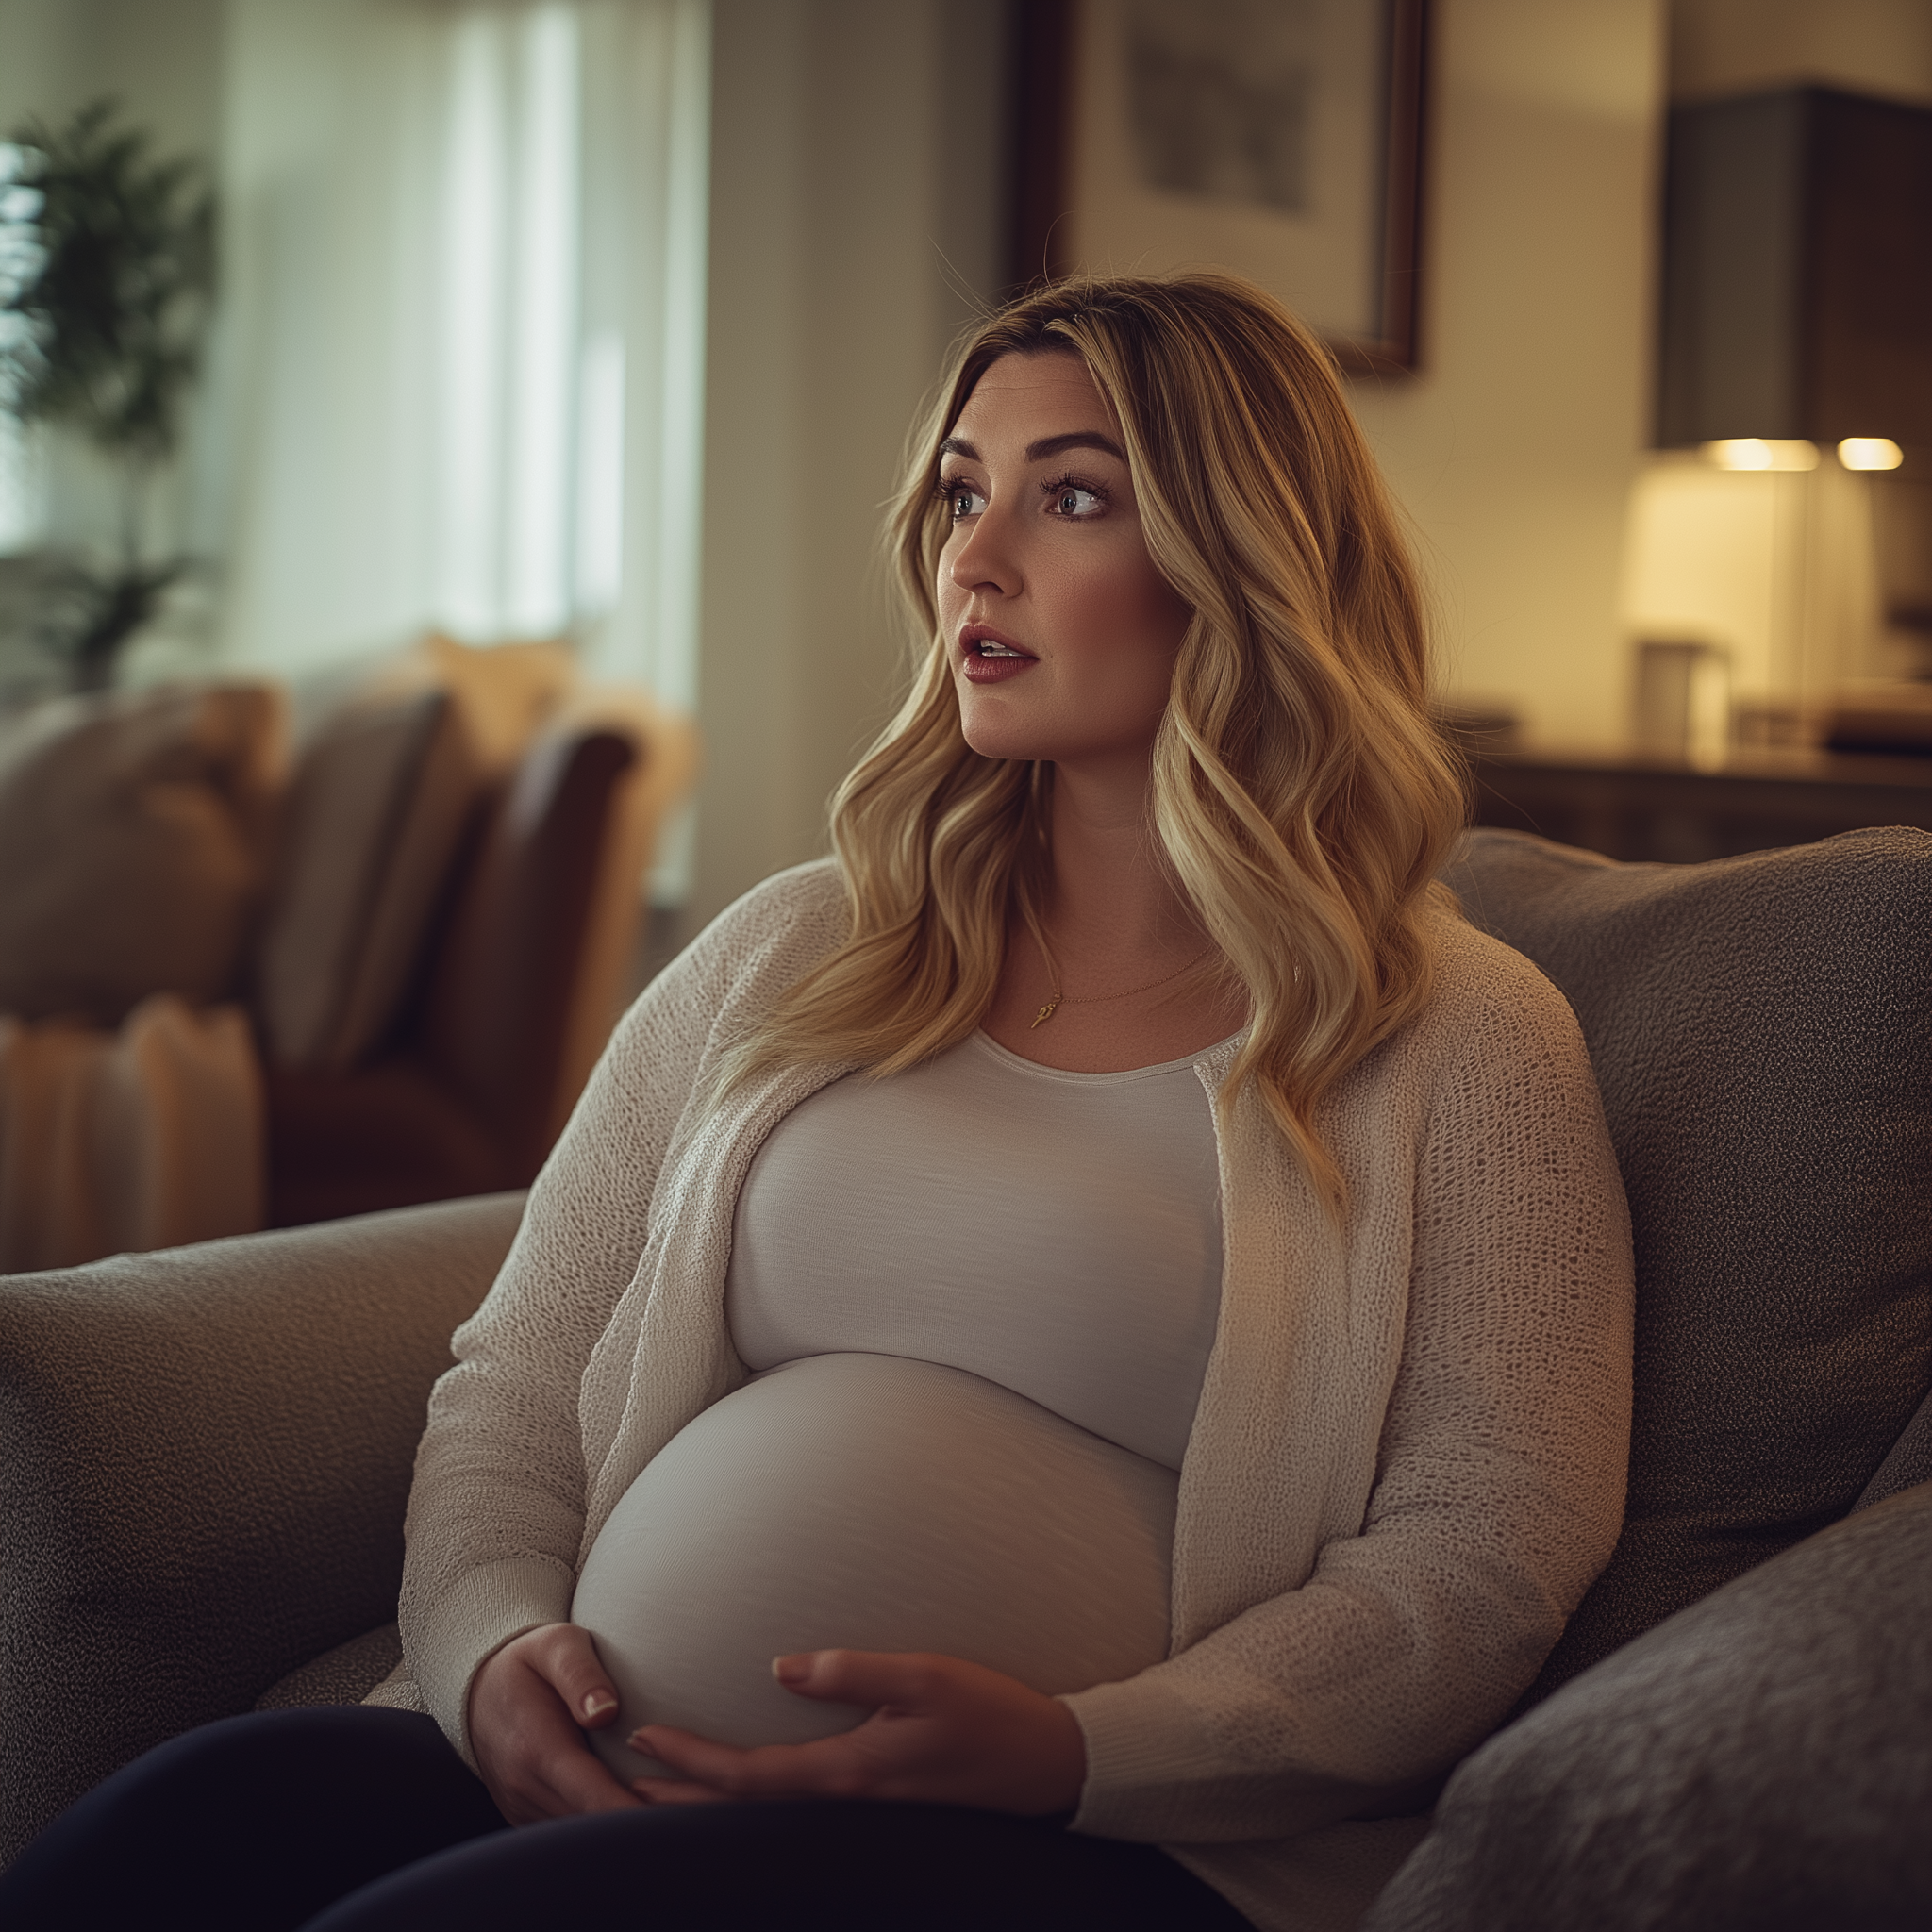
{"points": [[1073, 1357]]}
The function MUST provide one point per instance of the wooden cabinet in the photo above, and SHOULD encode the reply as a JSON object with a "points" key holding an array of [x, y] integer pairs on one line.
{"points": [[1797, 278], [1655, 809]]}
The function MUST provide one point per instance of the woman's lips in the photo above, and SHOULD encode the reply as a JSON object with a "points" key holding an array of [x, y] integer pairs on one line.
{"points": [[992, 661]]}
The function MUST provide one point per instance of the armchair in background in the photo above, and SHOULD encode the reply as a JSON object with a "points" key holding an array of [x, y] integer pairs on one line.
{"points": [[238, 1001]]}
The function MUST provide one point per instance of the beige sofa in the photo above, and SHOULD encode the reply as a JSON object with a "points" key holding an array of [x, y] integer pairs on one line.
{"points": [[204, 1454]]}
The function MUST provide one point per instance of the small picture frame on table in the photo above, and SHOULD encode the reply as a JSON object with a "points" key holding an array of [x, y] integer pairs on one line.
{"points": [[1279, 139]]}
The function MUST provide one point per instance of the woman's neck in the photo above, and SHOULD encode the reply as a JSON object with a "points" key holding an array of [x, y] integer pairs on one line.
{"points": [[1115, 991], [1113, 897]]}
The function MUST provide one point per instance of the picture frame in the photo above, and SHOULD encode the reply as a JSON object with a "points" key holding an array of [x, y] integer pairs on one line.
{"points": [[1282, 139]]}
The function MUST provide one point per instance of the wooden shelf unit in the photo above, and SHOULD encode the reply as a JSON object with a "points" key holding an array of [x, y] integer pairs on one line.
{"points": [[1633, 806]]}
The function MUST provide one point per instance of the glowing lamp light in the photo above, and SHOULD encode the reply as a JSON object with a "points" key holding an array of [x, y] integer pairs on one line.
{"points": [[1870, 453], [1761, 453]]}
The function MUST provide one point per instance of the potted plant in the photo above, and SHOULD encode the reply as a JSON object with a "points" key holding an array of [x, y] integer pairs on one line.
{"points": [[107, 288]]}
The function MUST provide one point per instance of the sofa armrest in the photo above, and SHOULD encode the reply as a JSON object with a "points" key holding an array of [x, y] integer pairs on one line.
{"points": [[1762, 1760], [204, 1455]]}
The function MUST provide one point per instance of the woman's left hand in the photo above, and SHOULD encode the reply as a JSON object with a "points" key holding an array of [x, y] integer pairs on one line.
{"points": [[944, 1732]]}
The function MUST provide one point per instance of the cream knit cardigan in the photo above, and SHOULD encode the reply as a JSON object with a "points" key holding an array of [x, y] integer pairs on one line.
{"points": [[1406, 1466]]}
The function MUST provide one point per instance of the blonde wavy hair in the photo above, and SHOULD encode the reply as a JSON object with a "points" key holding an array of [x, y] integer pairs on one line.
{"points": [[1300, 793]]}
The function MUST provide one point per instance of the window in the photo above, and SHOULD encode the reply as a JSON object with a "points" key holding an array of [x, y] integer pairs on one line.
{"points": [[465, 366]]}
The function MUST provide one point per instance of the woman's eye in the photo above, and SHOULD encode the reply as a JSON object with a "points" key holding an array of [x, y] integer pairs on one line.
{"points": [[1070, 500], [962, 501]]}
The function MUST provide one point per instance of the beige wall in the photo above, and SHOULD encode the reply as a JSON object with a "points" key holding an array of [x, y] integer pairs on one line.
{"points": [[841, 244], [842, 129], [1514, 449], [856, 197], [160, 58]]}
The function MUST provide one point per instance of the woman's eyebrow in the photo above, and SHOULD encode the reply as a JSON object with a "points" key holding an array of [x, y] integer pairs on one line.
{"points": [[1046, 446], [1078, 438]]}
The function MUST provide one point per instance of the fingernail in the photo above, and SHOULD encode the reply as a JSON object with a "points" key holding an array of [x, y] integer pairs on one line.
{"points": [[597, 1703], [792, 1670]]}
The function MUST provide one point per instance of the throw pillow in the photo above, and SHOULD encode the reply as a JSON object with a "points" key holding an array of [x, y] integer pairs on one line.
{"points": [[1760, 1029], [378, 809], [1759, 1763], [507, 692], [133, 827], [382, 797]]}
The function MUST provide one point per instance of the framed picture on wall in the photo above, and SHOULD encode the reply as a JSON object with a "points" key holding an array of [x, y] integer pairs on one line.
{"points": [[1280, 138]]}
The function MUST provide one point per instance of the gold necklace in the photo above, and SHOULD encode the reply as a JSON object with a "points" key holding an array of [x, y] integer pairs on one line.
{"points": [[1100, 999]]}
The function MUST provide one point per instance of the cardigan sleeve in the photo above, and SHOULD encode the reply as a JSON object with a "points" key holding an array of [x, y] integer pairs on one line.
{"points": [[496, 1510], [1498, 1491]]}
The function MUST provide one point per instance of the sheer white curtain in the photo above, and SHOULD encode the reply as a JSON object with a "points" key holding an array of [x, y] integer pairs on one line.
{"points": [[506, 321], [461, 374]]}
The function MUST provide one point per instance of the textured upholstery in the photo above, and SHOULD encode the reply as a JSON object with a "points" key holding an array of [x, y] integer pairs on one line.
{"points": [[1761, 1030], [1910, 1462], [204, 1455], [1762, 1762], [346, 1674]]}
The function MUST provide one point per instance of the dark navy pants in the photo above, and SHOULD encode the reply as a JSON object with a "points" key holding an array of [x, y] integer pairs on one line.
{"points": [[347, 1818]]}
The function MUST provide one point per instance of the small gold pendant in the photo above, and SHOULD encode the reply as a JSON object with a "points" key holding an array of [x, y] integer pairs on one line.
{"points": [[1046, 1012]]}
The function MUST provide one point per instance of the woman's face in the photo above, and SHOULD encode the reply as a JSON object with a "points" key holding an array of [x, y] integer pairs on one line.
{"points": [[1062, 634]]}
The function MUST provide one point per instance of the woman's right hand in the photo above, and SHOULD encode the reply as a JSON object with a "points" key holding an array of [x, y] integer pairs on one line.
{"points": [[527, 1705]]}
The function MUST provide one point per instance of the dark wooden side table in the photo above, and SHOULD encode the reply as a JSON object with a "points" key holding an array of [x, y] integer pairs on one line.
{"points": [[1636, 807]]}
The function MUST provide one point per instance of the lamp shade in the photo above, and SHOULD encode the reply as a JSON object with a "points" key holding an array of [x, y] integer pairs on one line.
{"points": [[1797, 272]]}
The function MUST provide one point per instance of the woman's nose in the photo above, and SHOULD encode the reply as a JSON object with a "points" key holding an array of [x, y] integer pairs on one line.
{"points": [[984, 558]]}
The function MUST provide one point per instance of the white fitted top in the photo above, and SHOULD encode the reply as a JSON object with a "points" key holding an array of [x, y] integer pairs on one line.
{"points": [[978, 1298], [1057, 1233]]}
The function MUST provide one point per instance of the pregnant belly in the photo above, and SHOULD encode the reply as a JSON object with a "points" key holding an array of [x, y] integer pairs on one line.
{"points": [[867, 1502]]}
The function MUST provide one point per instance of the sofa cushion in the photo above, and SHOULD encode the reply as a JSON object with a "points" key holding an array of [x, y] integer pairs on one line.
{"points": [[387, 790], [378, 807], [346, 1674], [132, 845], [1762, 1762], [1761, 1030]]}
